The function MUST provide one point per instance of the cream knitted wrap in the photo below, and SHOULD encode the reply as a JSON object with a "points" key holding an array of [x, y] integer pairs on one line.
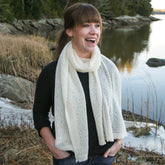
{"points": [[71, 125]]}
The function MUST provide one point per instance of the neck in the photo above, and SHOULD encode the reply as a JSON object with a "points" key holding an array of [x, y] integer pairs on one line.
{"points": [[83, 55]]}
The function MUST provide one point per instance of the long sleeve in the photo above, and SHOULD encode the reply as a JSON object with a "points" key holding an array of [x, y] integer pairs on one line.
{"points": [[44, 97]]}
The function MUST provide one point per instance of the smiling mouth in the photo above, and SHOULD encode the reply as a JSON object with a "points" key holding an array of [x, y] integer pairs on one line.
{"points": [[91, 40]]}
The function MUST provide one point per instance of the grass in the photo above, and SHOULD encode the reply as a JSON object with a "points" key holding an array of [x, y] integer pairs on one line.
{"points": [[144, 131], [129, 156], [23, 56], [148, 103], [24, 147]]}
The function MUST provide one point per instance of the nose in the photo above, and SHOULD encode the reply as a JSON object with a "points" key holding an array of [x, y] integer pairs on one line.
{"points": [[93, 29]]}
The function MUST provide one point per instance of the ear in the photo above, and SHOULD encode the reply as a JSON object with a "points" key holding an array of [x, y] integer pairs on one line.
{"points": [[69, 32]]}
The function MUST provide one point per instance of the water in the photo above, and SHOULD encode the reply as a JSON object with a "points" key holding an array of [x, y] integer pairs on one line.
{"points": [[143, 87]]}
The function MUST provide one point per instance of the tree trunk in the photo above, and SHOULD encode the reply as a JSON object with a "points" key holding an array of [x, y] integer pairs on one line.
{"points": [[67, 4], [23, 5]]}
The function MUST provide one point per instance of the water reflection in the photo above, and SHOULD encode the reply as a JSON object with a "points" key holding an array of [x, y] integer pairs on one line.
{"points": [[143, 89], [123, 46]]}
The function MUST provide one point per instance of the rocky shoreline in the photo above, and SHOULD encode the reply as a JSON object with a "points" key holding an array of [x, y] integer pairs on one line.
{"points": [[35, 27]]}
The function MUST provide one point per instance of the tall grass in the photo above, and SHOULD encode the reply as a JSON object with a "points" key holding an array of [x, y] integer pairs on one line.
{"points": [[23, 56], [148, 101]]}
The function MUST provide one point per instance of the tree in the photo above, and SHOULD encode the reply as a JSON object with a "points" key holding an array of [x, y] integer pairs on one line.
{"points": [[132, 7], [36, 9], [18, 8], [144, 8], [5, 11]]}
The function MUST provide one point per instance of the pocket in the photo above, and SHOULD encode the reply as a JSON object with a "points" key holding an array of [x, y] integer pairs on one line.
{"points": [[110, 159], [104, 161], [70, 160]]}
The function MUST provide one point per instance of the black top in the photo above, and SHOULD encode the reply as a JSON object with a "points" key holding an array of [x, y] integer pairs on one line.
{"points": [[44, 100]]}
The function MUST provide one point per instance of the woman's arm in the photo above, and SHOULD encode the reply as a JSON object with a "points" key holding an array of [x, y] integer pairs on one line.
{"points": [[50, 142], [114, 149], [44, 97]]}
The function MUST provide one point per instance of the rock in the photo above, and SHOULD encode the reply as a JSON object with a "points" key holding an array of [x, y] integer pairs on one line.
{"points": [[155, 62], [16, 89], [47, 25], [126, 20], [4, 29], [153, 18], [30, 26], [56, 21]]}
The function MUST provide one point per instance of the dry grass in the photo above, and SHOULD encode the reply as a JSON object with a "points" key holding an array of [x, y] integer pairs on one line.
{"points": [[23, 56], [130, 156], [24, 147], [143, 131]]}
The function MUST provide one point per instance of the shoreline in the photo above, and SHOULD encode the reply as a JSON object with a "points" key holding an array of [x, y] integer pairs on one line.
{"points": [[129, 116], [48, 25]]}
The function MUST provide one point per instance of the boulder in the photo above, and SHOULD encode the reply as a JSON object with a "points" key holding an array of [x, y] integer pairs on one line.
{"points": [[16, 89], [155, 62], [4, 29]]}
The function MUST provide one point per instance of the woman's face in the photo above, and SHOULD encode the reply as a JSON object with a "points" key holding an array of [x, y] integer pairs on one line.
{"points": [[84, 38]]}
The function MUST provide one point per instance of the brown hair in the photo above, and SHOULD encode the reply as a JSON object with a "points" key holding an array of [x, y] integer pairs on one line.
{"points": [[77, 14]]}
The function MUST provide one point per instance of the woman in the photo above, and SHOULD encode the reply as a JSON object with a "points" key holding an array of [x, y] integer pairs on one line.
{"points": [[83, 89]]}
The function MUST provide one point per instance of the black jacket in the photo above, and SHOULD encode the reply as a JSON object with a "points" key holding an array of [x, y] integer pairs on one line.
{"points": [[44, 101]]}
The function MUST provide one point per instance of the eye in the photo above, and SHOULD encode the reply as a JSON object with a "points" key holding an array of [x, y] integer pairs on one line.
{"points": [[97, 25], [85, 25]]}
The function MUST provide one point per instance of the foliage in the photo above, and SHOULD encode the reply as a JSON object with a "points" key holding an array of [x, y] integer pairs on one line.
{"points": [[5, 11], [144, 7], [37, 9], [114, 8]]}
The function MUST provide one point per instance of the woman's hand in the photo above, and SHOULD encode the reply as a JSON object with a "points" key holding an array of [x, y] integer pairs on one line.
{"points": [[50, 142], [59, 154], [114, 149]]}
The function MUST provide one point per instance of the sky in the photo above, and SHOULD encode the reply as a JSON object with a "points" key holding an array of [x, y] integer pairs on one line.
{"points": [[158, 4]]}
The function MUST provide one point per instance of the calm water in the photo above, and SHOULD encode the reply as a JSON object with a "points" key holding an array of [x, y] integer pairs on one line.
{"points": [[143, 87]]}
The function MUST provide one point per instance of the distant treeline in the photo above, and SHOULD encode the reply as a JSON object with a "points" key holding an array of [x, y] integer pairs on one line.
{"points": [[158, 11], [37, 9]]}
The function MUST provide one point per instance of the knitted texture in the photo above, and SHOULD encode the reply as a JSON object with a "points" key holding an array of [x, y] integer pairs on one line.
{"points": [[70, 106]]}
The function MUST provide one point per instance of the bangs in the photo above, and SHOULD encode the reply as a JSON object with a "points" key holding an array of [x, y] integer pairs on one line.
{"points": [[86, 14]]}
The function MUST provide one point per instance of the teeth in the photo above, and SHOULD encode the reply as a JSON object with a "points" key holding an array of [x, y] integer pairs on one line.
{"points": [[92, 40]]}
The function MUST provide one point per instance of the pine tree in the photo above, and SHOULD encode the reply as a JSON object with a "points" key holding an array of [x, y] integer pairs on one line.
{"points": [[18, 8], [145, 8], [36, 9], [5, 11]]}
